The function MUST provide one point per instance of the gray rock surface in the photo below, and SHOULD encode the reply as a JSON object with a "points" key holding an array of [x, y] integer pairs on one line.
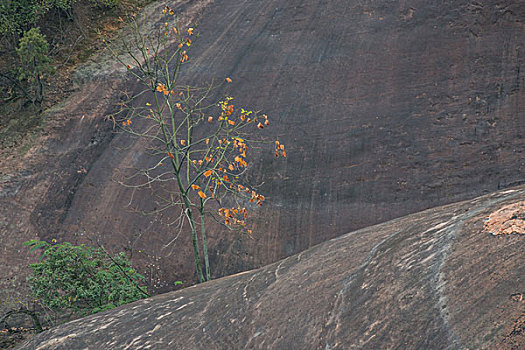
{"points": [[432, 280]]}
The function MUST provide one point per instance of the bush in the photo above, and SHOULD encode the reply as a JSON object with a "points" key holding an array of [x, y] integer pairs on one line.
{"points": [[82, 279], [35, 63], [18, 15]]}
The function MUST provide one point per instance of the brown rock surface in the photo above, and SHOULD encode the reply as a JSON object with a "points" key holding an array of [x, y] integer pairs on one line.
{"points": [[386, 108], [431, 280]]}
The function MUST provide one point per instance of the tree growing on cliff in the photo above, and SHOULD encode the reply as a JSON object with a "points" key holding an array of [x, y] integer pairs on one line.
{"points": [[35, 64], [199, 144]]}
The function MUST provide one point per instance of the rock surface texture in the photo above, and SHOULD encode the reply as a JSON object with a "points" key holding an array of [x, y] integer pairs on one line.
{"points": [[432, 280], [386, 108]]}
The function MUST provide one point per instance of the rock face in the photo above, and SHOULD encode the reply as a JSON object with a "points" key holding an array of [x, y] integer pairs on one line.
{"points": [[438, 279], [386, 108]]}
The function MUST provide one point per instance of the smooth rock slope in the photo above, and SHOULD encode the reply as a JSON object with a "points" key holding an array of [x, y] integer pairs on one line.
{"points": [[452, 277]]}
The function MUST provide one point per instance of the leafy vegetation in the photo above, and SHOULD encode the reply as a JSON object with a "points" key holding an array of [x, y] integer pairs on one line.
{"points": [[16, 16], [70, 41], [35, 63], [82, 279]]}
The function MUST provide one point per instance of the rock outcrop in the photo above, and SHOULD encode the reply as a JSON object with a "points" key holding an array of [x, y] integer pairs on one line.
{"points": [[386, 108], [446, 278]]}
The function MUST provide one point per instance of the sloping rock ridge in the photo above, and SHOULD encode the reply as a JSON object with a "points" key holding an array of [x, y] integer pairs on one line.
{"points": [[437, 279]]}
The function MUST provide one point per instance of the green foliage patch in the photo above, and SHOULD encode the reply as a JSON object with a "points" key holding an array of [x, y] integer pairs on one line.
{"points": [[82, 279], [35, 63], [18, 15]]}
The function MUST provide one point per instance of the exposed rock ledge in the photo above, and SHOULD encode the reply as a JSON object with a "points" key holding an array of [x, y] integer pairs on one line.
{"points": [[433, 280]]}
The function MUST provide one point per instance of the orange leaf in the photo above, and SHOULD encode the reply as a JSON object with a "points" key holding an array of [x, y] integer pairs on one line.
{"points": [[228, 80], [170, 155], [207, 173], [260, 126], [195, 187], [201, 194]]}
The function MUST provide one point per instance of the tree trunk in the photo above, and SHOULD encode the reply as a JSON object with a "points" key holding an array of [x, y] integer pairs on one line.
{"points": [[204, 244]]}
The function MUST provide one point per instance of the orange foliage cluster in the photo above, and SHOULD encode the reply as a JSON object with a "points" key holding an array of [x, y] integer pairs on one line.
{"points": [[279, 149], [234, 216], [257, 197], [162, 88], [168, 10]]}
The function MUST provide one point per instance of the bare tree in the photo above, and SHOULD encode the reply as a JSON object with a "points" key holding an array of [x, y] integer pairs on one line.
{"points": [[199, 145]]}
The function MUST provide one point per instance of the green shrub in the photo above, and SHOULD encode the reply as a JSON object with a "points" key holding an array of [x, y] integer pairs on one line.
{"points": [[35, 63], [18, 15], [82, 279]]}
